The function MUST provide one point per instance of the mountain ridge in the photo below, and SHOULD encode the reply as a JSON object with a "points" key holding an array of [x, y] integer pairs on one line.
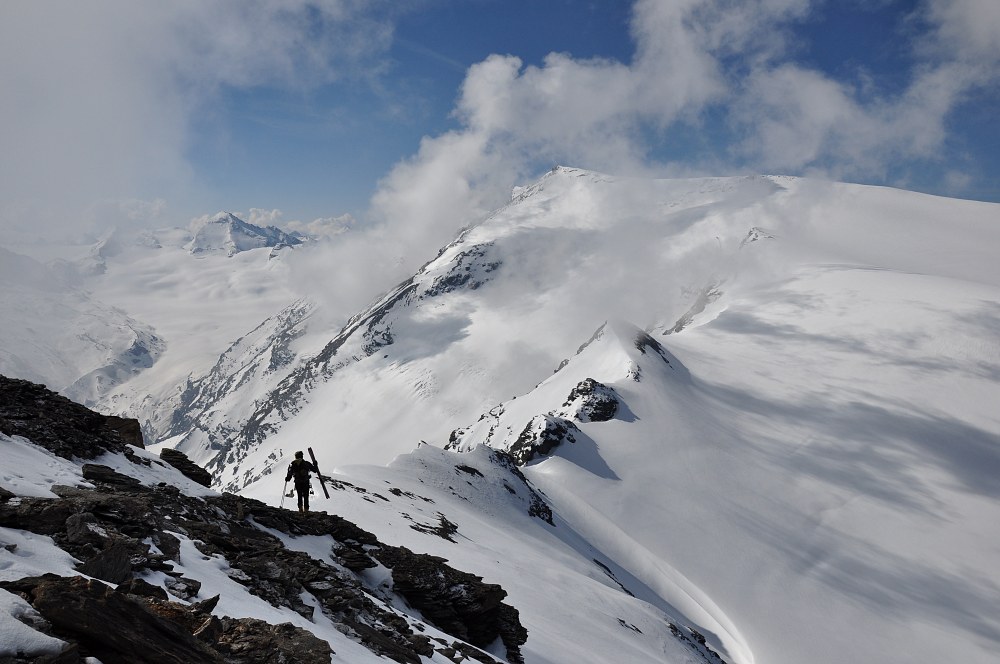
{"points": [[789, 402]]}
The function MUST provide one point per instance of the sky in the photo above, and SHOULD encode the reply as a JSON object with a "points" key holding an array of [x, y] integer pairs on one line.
{"points": [[422, 115]]}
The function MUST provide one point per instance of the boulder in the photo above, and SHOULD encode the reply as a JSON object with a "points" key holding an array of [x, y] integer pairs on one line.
{"points": [[108, 625], [188, 468]]}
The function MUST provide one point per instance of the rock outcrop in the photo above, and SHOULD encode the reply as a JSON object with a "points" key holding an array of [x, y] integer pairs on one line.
{"points": [[592, 401], [188, 468], [64, 427], [542, 435]]}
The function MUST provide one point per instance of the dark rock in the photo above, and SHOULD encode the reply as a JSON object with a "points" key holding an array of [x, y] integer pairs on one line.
{"points": [[5, 495], [109, 625], [82, 528], [540, 436], [383, 644], [444, 528], [104, 475], [593, 401], [128, 428], [207, 605], [354, 560], [61, 426], [183, 588], [469, 269], [141, 588], [113, 565], [168, 544], [456, 602], [188, 468], [251, 641]]}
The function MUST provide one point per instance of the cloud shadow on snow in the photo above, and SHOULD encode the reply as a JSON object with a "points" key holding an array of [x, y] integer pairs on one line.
{"points": [[877, 449], [902, 587]]}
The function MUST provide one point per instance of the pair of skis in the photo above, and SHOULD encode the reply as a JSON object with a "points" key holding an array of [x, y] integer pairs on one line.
{"points": [[312, 456], [319, 474]]}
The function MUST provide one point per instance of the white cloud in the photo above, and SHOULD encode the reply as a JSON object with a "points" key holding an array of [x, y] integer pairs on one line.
{"points": [[261, 217], [100, 97], [592, 113], [692, 56], [966, 30], [798, 118], [324, 227], [516, 120]]}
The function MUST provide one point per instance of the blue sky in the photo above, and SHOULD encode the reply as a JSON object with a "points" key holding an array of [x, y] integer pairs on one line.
{"points": [[123, 112]]}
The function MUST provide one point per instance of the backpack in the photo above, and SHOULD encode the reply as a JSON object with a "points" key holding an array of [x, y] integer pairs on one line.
{"points": [[299, 469]]}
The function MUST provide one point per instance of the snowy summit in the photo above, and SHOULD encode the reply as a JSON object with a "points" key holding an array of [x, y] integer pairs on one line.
{"points": [[225, 232]]}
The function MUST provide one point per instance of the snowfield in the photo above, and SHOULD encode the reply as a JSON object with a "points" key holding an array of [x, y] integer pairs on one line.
{"points": [[802, 460]]}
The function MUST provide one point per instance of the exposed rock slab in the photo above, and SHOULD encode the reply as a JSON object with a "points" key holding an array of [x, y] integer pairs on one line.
{"points": [[61, 426]]}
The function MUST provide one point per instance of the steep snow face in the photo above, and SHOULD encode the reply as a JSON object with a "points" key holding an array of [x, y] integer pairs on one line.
{"points": [[53, 333], [228, 234], [769, 469], [586, 392]]}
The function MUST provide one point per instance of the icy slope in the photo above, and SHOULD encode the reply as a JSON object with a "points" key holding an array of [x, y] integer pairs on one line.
{"points": [[692, 504], [840, 478]]}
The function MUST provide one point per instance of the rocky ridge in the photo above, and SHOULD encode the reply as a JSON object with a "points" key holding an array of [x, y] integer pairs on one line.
{"points": [[140, 601]]}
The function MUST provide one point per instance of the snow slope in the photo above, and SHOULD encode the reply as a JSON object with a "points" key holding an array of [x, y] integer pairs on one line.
{"points": [[824, 441]]}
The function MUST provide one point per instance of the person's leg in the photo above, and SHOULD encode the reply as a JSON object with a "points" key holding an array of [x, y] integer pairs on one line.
{"points": [[299, 493]]}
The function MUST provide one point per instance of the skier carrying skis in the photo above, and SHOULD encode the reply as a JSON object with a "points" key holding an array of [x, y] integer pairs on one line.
{"points": [[299, 469]]}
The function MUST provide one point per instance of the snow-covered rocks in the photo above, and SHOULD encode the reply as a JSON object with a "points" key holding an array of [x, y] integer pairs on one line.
{"points": [[145, 564], [591, 401]]}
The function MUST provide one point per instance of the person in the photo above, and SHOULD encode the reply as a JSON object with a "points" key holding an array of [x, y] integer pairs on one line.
{"points": [[299, 469]]}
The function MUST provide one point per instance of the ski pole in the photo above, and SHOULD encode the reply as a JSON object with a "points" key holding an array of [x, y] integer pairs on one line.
{"points": [[284, 490]]}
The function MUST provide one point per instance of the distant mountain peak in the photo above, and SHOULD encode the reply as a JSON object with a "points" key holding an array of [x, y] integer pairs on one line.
{"points": [[226, 233]]}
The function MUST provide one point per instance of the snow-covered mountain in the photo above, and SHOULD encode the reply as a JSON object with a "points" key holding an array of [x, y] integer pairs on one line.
{"points": [[227, 233], [754, 416], [58, 334], [188, 294]]}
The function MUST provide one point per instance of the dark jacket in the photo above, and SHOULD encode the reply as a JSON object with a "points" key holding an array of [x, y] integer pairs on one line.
{"points": [[300, 469]]}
